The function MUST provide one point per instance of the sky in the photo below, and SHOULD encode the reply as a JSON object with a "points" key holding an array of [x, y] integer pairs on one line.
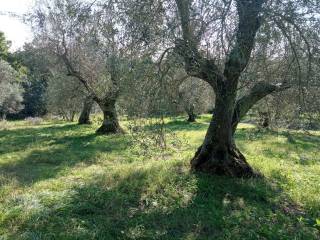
{"points": [[14, 29]]}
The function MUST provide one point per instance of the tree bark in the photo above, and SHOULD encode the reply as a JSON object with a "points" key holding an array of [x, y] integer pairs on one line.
{"points": [[3, 116], [219, 154], [264, 120], [191, 115], [110, 123], [86, 110], [72, 116]]}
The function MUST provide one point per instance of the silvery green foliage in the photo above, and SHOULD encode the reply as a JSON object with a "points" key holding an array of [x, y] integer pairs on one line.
{"points": [[195, 96], [7, 77], [64, 95], [10, 90], [87, 38]]}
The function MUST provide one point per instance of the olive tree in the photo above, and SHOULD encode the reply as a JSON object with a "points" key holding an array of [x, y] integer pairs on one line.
{"points": [[88, 40]]}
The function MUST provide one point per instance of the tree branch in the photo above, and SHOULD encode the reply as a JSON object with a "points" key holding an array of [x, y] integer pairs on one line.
{"points": [[72, 71], [195, 64], [258, 92], [248, 26]]}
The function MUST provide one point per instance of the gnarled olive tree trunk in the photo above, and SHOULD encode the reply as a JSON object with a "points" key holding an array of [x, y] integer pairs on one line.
{"points": [[86, 110], [219, 153], [110, 124]]}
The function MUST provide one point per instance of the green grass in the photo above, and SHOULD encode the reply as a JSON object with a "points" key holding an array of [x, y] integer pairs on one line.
{"points": [[61, 181]]}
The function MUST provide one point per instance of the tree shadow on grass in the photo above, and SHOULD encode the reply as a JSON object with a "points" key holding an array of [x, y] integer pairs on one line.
{"points": [[297, 143], [126, 208], [296, 138], [178, 125], [148, 203], [23, 138], [60, 152]]}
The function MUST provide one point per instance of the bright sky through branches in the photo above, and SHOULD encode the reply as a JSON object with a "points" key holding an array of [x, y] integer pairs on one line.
{"points": [[14, 29]]}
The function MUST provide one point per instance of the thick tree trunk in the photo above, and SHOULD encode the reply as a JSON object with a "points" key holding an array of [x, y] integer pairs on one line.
{"points": [[219, 154], [224, 160], [110, 123], [86, 110]]}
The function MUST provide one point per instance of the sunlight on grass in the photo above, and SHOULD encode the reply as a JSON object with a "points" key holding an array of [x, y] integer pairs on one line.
{"points": [[61, 181]]}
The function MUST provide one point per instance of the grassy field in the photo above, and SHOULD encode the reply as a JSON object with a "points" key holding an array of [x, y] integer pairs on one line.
{"points": [[61, 181]]}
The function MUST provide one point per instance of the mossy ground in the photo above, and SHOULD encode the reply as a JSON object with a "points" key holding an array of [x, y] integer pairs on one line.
{"points": [[62, 181]]}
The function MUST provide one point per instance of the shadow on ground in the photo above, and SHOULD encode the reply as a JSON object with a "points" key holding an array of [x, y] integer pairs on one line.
{"points": [[281, 144], [127, 209], [57, 148], [157, 202]]}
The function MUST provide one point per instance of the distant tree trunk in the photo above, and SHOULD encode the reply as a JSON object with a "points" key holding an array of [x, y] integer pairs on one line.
{"points": [[110, 123], [3, 116], [191, 115], [86, 110], [264, 120], [72, 115]]}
